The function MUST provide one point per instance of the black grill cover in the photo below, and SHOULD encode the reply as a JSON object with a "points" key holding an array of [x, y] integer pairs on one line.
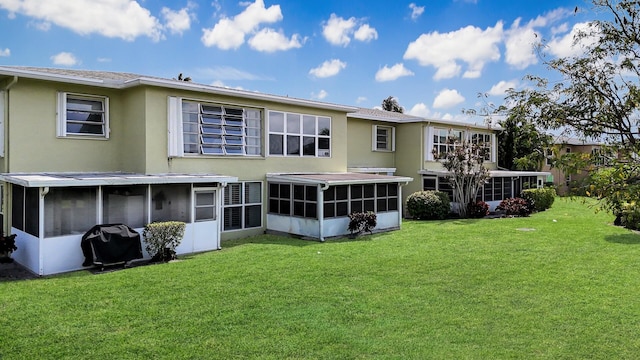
{"points": [[110, 244]]}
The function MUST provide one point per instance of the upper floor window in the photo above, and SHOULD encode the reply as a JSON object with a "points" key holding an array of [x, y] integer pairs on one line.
{"points": [[383, 138], [549, 157], [213, 129], [299, 134], [83, 115], [445, 140], [484, 143]]}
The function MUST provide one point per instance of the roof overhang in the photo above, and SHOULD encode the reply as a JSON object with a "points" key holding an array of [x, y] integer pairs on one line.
{"points": [[99, 179], [172, 84], [492, 173], [346, 178]]}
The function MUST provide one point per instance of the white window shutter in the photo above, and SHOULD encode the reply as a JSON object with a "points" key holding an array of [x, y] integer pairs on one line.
{"points": [[174, 127], [428, 133], [393, 138], [1, 123], [61, 128], [374, 137], [494, 148]]}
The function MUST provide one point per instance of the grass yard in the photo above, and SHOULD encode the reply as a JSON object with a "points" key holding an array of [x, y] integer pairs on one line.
{"points": [[560, 284]]}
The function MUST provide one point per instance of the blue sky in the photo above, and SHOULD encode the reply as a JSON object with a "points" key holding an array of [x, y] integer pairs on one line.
{"points": [[434, 56]]}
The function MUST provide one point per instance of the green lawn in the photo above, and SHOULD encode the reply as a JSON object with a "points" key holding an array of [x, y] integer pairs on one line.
{"points": [[560, 284]]}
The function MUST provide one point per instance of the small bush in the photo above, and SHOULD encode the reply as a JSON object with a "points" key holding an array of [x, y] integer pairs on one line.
{"points": [[428, 205], [515, 207], [540, 199], [478, 209], [162, 239], [362, 222], [629, 217]]}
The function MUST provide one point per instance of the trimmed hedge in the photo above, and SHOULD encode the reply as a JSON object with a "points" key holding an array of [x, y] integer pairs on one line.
{"points": [[630, 216], [162, 239], [428, 205], [540, 199]]}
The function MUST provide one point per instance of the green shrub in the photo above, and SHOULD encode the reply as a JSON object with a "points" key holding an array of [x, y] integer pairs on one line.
{"points": [[630, 216], [540, 199], [478, 209], [515, 207], [428, 205], [162, 239], [362, 222]]}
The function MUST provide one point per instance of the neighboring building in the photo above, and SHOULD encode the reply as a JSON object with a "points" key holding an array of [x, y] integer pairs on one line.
{"points": [[562, 145], [79, 148]]}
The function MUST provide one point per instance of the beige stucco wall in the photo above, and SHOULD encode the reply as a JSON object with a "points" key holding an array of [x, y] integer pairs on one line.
{"points": [[409, 150], [244, 167], [32, 144], [360, 147], [559, 176]]}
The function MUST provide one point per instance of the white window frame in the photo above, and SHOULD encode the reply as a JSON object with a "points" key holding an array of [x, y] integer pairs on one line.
{"points": [[62, 120], [488, 145], [449, 132], [243, 139], [319, 153], [243, 204], [390, 138]]}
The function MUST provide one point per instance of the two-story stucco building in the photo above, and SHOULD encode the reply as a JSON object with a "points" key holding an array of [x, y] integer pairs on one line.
{"points": [[79, 148]]}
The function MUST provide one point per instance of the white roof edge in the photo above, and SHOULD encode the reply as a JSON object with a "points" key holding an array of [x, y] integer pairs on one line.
{"points": [[492, 173], [382, 118], [114, 84], [296, 178], [50, 179], [371, 169], [55, 77]]}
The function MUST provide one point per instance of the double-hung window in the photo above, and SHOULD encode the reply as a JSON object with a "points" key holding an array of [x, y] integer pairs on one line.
{"points": [[383, 138], [212, 129], [299, 134], [83, 115]]}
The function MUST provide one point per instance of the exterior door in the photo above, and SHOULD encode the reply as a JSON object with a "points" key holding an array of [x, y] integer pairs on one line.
{"points": [[206, 223]]}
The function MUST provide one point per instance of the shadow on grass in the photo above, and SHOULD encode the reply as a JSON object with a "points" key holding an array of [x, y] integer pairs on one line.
{"points": [[627, 239], [270, 239]]}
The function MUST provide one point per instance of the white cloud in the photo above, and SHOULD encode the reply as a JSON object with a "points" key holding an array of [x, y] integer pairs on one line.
{"points": [[564, 46], [447, 98], [227, 73], [177, 21], [416, 11], [470, 45], [338, 31], [421, 110], [219, 83], [124, 19], [104, 59], [40, 25], [328, 68], [361, 99], [269, 40], [64, 59], [520, 46], [229, 33], [321, 95], [365, 33], [392, 73], [501, 87], [5, 53]]}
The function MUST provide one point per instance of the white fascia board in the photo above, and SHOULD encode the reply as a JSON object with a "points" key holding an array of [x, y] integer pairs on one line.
{"points": [[62, 180]]}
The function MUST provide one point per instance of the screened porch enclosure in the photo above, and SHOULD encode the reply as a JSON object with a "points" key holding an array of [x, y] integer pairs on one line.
{"points": [[317, 205], [51, 220]]}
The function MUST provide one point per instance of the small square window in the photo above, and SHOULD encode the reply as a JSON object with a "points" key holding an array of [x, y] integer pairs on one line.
{"points": [[383, 138], [83, 115]]}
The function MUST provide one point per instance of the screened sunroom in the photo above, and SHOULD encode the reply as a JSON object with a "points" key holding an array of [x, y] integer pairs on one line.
{"points": [[50, 213], [317, 205]]}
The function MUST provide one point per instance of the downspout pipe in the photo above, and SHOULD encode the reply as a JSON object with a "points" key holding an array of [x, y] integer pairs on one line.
{"points": [[320, 211], [10, 84]]}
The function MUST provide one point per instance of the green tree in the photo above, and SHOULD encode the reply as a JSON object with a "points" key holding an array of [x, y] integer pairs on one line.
{"points": [[391, 104], [520, 145], [597, 95]]}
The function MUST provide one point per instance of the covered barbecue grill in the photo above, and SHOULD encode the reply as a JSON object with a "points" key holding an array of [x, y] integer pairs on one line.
{"points": [[110, 244]]}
